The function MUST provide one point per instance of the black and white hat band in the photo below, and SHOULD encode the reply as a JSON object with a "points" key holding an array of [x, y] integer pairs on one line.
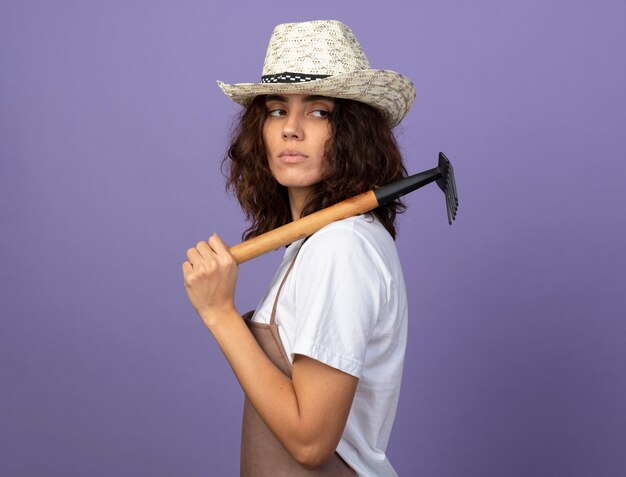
{"points": [[291, 78]]}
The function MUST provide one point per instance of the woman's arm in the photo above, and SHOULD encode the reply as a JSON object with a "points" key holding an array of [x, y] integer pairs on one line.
{"points": [[308, 412]]}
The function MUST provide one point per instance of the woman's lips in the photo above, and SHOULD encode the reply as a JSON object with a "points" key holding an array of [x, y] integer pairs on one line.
{"points": [[292, 157]]}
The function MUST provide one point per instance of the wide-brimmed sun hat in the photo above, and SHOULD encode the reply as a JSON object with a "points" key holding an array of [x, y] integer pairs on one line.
{"points": [[324, 57]]}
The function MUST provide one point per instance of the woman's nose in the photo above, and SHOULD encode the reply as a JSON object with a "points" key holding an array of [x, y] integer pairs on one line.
{"points": [[292, 128]]}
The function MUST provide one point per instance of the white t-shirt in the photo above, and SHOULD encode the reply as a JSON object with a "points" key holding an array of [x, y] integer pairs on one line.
{"points": [[344, 304]]}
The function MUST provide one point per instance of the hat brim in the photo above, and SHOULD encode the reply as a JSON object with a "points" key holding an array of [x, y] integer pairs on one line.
{"points": [[390, 92]]}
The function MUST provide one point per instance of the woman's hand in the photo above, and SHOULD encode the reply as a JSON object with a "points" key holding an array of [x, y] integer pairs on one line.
{"points": [[210, 275]]}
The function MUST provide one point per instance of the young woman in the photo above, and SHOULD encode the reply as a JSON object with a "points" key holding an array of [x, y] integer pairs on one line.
{"points": [[320, 361]]}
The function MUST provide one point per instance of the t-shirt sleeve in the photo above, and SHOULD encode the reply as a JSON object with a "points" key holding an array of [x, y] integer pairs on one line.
{"points": [[339, 294]]}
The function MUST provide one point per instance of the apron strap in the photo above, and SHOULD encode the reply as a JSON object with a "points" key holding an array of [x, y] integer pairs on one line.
{"points": [[293, 261]]}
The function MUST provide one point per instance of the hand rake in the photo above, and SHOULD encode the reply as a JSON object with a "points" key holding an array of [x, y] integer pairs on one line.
{"points": [[443, 174]]}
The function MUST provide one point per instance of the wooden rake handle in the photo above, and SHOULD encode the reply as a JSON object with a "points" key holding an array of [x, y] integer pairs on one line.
{"points": [[303, 227]]}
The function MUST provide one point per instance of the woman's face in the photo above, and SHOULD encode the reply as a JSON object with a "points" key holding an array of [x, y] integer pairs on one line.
{"points": [[295, 132]]}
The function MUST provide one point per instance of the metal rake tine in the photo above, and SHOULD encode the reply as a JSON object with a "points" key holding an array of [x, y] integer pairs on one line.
{"points": [[452, 206], [448, 185], [454, 192], [451, 193], [449, 204], [449, 210], [444, 183], [456, 195]]}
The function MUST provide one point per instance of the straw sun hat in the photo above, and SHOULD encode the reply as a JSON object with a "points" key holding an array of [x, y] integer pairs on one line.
{"points": [[324, 57]]}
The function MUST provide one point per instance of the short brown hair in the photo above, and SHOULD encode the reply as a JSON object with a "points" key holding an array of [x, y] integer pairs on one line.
{"points": [[362, 154]]}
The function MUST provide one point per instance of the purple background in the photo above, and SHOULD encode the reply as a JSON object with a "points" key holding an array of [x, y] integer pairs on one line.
{"points": [[111, 134]]}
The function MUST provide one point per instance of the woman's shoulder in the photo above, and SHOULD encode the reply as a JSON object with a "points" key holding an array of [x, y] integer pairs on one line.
{"points": [[357, 253], [359, 229], [354, 236]]}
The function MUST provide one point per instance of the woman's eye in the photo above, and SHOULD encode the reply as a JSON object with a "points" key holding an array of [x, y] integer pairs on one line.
{"points": [[320, 113], [277, 112]]}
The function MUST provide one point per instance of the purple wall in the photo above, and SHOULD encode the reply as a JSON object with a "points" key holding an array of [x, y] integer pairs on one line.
{"points": [[111, 134]]}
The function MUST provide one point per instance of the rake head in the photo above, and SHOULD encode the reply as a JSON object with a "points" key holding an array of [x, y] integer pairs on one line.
{"points": [[443, 174], [447, 184]]}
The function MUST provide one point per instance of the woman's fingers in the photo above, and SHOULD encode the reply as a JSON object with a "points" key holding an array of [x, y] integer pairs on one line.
{"points": [[222, 251], [218, 245], [213, 252], [193, 256], [202, 251], [214, 246]]}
